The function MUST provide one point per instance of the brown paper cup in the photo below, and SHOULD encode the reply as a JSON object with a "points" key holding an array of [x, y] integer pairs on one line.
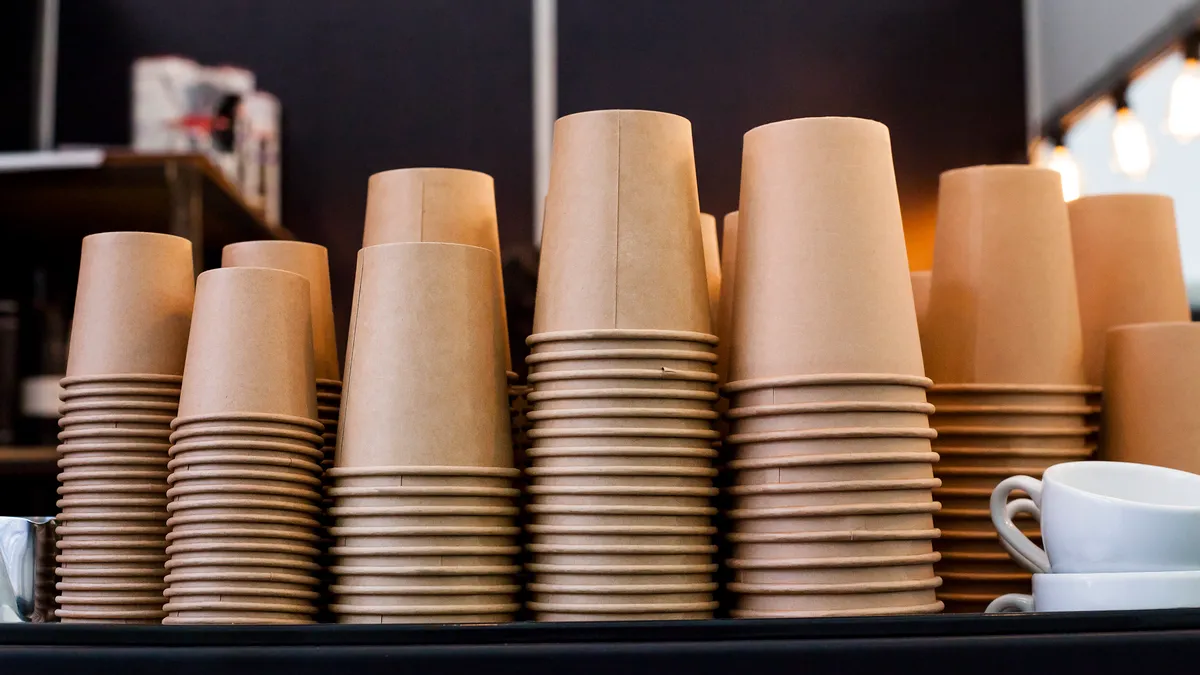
{"points": [[266, 450], [805, 228], [857, 388], [251, 347], [1002, 301], [217, 427], [619, 398], [712, 264], [1150, 395], [622, 213], [463, 420], [724, 323], [450, 206], [769, 422], [214, 477], [133, 306], [118, 390], [311, 262], [1127, 267], [187, 463], [1041, 458], [600, 418]]}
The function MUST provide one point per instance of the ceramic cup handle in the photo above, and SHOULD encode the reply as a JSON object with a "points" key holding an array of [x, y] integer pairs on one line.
{"points": [[1031, 557], [1013, 508], [1012, 602]]}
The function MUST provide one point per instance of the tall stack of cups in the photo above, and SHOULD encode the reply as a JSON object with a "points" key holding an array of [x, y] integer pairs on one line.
{"points": [[623, 378], [245, 456], [1127, 269], [1003, 344], [133, 309], [830, 459], [310, 261], [423, 485]]}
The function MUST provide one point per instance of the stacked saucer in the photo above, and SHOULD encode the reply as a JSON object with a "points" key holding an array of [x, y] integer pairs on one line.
{"points": [[423, 486], [623, 378], [121, 392], [1003, 345], [830, 463], [245, 456]]}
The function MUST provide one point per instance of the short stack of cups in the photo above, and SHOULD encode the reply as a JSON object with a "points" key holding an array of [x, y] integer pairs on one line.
{"points": [[245, 456], [132, 314], [1152, 392], [830, 465], [623, 379], [1003, 345], [310, 261], [1127, 269], [424, 499]]}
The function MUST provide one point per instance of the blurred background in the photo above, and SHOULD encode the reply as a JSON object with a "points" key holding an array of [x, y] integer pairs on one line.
{"points": [[226, 120]]}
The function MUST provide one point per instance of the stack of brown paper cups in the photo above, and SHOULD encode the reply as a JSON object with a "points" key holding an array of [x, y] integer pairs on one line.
{"points": [[453, 206], [1151, 394], [424, 500], [245, 456], [623, 379], [132, 313], [1127, 268], [1003, 344], [831, 466], [311, 262]]}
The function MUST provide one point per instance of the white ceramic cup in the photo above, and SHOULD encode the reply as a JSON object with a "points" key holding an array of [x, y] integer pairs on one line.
{"points": [[1105, 517], [1109, 591]]}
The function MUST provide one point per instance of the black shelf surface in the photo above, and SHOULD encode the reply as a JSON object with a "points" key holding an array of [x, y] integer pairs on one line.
{"points": [[1064, 644]]}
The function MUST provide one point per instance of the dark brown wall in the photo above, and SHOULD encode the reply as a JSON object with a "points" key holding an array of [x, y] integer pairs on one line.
{"points": [[368, 85], [946, 76]]}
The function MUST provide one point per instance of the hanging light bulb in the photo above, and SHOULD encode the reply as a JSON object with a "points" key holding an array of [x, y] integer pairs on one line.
{"points": [[1183, 115], [1131, 144], [1060, 160]]}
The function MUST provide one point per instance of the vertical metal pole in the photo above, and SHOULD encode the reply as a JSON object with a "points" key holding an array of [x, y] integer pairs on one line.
{"points": [[46, 75], [545, 102]]}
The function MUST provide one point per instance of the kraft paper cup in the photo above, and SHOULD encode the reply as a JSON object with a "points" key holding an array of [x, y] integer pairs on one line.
{"points": [[828, 388], [231, 461], [724, 322], [1015, 416], [1012, 394], [620, 338], [920, 285], [618, 398], [866, 473], [788, 417], [624, 378], [623, 214], [970, 458], [819, 211], [250, 350], [424, 314], [451, 206], [1003, 306], [586, 459], [602, 359], [1127, 267], [712, 264], [1150, 393], [310, 261], [605, 418], [133, 305]]}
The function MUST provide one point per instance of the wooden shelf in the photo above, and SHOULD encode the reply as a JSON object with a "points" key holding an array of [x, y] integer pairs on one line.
{"points": [[49, 197], [27, 459]]}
